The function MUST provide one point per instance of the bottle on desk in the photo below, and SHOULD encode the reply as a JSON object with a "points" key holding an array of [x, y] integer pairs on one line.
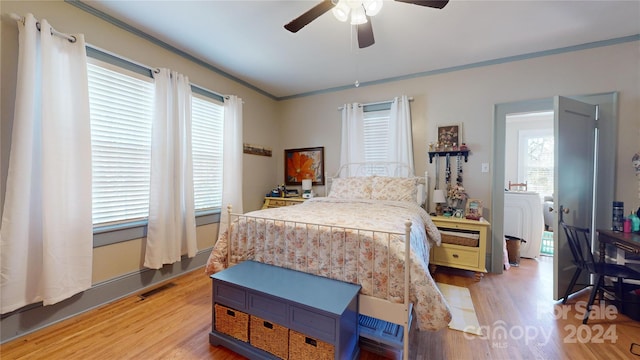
{"points": [[626, 225], [617, 221], [635, 222]]}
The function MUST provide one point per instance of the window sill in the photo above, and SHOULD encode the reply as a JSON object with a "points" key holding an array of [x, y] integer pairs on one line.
{"points": [[113, 234]]}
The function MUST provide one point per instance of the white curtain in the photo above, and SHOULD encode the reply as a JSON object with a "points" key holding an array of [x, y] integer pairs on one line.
{"points": [[352, 142], [172, 226], [400, 138], [46, 239], [231, 160]]}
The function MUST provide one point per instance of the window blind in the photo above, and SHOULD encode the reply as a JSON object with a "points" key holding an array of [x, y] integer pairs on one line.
{"points": [[376, 138], [121, 106], [207, 124]]}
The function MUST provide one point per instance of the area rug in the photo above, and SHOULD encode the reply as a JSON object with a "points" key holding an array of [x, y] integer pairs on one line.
{"points": [[462, 311]]}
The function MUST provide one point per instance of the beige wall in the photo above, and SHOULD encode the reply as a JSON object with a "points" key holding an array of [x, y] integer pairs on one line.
{"points": [[259, 112], [468, 96]]}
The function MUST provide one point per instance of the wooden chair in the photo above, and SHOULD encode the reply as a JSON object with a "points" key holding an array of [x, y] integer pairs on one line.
{"points": [[517, 186], [579, 240]]}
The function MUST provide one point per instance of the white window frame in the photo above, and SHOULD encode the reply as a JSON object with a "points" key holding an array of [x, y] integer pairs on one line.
{"points": [[523, 151]]}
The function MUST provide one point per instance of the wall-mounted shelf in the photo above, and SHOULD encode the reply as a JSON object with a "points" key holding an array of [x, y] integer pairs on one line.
{"points": [[464, 153]]}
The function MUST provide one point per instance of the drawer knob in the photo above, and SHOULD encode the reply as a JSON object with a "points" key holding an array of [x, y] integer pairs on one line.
{"points": [[455, 256]]}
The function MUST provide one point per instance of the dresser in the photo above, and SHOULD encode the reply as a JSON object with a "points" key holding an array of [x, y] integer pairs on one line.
{"points": [[460, 254], [274, 202], [267, 312]]}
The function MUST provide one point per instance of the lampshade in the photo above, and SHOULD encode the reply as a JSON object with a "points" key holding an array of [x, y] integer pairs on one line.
{"points": [[359, 10], [438, 196], [358, 16], [372, 7], [306, 184], [341, 11]]}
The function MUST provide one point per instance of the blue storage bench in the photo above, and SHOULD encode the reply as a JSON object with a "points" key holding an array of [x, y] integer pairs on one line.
{"points": [[267, 312]]}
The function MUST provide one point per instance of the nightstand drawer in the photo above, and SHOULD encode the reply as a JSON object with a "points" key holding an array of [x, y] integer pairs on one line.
{"points": [[455, 255], [273, 202]]}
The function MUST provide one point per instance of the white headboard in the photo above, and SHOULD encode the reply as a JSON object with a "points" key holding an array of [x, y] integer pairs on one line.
{"points": [[380, 168]]}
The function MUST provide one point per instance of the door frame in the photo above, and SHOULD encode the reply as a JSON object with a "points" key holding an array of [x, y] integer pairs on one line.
{"points": [[607, 153]]}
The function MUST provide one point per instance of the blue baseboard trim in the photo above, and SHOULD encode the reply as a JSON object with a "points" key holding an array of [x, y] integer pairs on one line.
{"points": [[35, 317]]}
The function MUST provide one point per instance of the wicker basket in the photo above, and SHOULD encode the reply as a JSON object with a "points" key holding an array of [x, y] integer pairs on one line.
{"points": [[460, 238], [232, 322], [302, 347], [269, 337]]}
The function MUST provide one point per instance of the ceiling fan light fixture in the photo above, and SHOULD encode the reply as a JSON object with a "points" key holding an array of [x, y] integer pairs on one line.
{"points": [[372, 7], [358, 16], [341, 11]]}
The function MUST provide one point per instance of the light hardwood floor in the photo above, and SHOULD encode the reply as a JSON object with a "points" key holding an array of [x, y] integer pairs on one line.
{"points": [[174, 321]]}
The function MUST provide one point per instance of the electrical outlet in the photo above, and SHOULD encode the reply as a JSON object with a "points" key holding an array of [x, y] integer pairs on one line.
{"points": [[485, 167]]}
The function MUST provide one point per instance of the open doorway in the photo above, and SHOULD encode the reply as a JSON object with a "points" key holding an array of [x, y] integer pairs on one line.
{"points": [[605, 173], [529, 160]]}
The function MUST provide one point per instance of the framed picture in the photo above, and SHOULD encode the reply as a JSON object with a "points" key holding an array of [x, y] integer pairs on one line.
{"points": [[306, 163], [449, 137], [473, 209]]}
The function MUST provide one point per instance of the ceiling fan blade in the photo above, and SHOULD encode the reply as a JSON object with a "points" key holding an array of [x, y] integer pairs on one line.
{"points": [[438, 4], [313, 13], [365, 34]]}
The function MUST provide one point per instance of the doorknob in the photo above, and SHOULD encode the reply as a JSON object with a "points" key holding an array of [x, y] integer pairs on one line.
{"points": [[562, 211]]}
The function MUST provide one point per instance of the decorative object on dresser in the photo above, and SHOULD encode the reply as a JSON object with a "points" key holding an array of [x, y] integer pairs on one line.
{"points": [[474, 209], [260, 311], [306, 163], [439, 199], [464, 244], [307, 189]]}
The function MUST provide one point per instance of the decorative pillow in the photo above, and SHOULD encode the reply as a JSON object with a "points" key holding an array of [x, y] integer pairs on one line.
{"points": [[393, 188], [351, 188]]}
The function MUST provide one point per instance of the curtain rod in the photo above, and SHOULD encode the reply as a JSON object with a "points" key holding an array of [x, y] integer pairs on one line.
{"points": [[109, 57], [71, 38], [374, 103]]}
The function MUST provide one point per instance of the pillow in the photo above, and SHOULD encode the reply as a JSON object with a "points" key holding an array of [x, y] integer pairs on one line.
{"points": [[394, 188], [351, 188]]}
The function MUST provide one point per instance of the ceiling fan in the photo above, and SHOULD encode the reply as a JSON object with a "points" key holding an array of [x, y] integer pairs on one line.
{"points": [[363, 10]]}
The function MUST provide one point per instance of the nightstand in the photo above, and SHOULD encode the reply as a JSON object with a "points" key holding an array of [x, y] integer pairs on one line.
{"points": [[274, 202], [460, 255]]}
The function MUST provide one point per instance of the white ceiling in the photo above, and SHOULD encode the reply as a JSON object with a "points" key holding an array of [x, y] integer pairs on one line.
{"points": [[246, 39]]}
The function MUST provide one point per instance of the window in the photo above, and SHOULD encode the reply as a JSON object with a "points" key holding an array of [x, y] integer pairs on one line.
{"points": [[536, 160], [207, 118], [376, 137], [121, 105]]}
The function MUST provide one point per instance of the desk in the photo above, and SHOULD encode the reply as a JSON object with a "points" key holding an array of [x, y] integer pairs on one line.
{"points": [[629, 242]]}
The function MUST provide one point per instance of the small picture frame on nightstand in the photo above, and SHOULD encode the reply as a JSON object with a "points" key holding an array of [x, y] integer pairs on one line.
{"points": [[473, 209]]}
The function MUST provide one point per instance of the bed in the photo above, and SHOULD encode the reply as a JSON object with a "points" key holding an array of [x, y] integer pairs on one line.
{"points": [[364, 231]]}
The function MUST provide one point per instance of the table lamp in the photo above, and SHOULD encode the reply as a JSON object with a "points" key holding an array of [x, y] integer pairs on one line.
{"points": [[439, 199]]}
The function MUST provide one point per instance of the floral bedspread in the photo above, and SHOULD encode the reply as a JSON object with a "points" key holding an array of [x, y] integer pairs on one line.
{"points": [[366, 257]]}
